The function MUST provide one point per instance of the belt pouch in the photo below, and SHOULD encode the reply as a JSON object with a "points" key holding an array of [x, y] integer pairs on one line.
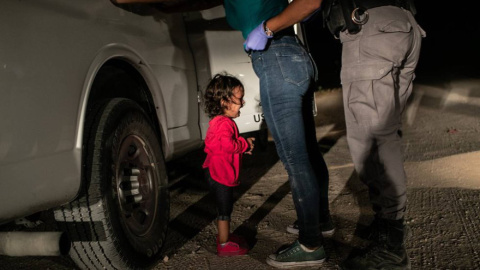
{"points": [[337, 15]]}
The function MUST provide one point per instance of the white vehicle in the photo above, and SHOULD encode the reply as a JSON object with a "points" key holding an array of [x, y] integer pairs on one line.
{"points": [[94, 100]]}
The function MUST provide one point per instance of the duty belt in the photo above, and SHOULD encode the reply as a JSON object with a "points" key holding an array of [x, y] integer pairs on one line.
{"points": [[369, 4], [360, 15], [350, 15]]}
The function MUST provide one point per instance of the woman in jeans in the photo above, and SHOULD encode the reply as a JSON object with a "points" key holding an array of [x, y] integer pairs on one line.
{"points": [[286, 74]]}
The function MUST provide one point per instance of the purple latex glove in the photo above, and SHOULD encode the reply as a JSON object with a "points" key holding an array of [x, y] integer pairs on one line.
{"points": [[257, 39]]}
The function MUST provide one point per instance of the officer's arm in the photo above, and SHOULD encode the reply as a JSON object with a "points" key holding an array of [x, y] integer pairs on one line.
{"points": [[296, 11]]}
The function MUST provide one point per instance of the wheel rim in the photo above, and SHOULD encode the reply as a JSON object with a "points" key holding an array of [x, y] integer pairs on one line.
{"points": [[136, 185]]}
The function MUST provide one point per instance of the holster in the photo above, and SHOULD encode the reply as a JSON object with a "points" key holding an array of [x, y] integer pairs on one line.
{"points": [[337, 16]]}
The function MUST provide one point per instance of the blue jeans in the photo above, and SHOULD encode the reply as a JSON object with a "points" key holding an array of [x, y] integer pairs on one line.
{"points": [[286, 74]]}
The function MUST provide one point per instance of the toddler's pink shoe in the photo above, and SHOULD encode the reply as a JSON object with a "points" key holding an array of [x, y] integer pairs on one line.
{"points": [[237, 239], [230, 248]]}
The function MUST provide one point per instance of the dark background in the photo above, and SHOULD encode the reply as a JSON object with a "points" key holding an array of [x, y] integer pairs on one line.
{"points": [[451, 48]]}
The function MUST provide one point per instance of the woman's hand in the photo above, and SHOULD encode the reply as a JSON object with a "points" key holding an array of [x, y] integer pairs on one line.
{"points": [[257, 39]]}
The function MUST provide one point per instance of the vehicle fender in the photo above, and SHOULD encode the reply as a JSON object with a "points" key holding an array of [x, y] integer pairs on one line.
{"points": [[127, 54]]}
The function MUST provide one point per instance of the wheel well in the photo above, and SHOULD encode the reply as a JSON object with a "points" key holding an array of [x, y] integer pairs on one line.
{"points": [[118, 78]]}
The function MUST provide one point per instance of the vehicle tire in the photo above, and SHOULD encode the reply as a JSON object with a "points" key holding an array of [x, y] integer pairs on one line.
{"points": [[120, 217]]}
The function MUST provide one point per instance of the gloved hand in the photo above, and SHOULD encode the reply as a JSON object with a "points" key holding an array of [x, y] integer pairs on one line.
{"points": [[257, 39]]}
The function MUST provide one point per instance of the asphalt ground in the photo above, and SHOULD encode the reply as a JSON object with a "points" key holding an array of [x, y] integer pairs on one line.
{"points": [[442, 161]]}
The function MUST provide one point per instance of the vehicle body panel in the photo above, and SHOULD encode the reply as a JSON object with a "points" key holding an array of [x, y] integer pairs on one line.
{"points": [[218, 48], [50, 53]]}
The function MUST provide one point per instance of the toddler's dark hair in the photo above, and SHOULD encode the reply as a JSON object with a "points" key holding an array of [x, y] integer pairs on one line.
{"points": [[218, 89]]}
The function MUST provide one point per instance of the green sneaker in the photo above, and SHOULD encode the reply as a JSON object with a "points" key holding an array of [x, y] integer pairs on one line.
{"points": [[296, 256], [327, 228]]}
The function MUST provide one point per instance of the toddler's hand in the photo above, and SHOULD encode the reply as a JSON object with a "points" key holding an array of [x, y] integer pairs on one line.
{"points": [[250, 142]]}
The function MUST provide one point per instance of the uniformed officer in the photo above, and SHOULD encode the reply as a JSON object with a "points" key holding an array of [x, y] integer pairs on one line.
{"points": [[380, 51]]}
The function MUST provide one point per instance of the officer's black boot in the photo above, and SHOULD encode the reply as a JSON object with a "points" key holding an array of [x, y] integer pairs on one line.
{"points": [[387, 250]]}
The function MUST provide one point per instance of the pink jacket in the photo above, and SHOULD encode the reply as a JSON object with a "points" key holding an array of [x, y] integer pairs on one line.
{"points": [[224, 148]]}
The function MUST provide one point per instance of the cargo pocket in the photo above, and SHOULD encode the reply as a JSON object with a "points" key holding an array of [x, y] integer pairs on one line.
{"points": [[394, 26], [373, 71], [366, 96]]}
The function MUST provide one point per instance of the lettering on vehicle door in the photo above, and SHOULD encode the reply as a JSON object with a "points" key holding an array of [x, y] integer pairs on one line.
{"points": [[258, 117]]}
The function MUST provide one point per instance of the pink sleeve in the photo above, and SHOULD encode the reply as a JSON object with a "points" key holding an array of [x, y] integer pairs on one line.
{"points": [[228, 140]]}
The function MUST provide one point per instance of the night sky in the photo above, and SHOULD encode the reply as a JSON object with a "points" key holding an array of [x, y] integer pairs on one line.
{"points": [[451, 48]]}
